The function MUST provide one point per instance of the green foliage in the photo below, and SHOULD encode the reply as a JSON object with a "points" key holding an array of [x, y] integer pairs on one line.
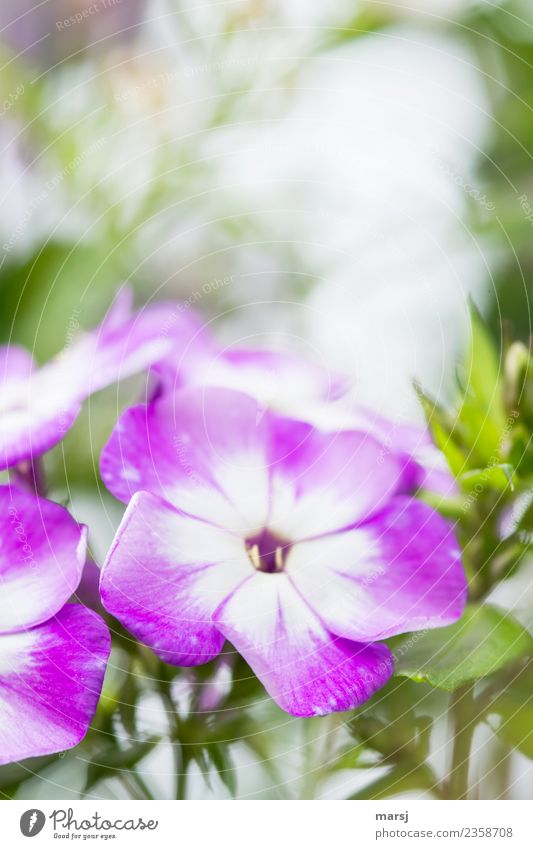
{"points": [[510, 713], [487, 441], [476, 439], [399, 779], [481, 416], [483, 641], [107, 762]]}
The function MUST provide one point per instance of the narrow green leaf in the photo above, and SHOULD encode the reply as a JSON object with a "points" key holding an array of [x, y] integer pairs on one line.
{"points": [[400, 779], [106, 763], [483, 371], [11, 775], [445, 431], [221, 760], [482, 413], [483, 641], [510, 714], [498, 476]]}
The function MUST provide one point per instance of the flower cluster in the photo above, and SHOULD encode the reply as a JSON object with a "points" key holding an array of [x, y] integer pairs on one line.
{"points": [[264, 508], [53, 654]]}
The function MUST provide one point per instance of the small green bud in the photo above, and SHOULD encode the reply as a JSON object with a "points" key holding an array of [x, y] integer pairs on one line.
{"points": [[518, 378]]}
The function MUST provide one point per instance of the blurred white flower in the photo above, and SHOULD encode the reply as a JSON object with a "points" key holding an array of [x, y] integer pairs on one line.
{"points": [[361, 177]]}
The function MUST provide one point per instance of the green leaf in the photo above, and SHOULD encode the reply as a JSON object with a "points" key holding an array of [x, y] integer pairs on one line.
{"points": [[401, 779], [525, 522], [483, 370], [498, 476], [127, 705], [222, 762], [14, 774], [483, 641], [510, 714], [482, 412], [445, 431], [106, 763]]}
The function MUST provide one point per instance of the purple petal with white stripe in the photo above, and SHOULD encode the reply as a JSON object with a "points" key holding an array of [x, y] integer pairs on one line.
{"points": [[304, 389], [184, 448], [16, 364], [165, 575], [37, 408], [306, 670], [50, 682], [218, 455], [323, 482], [42, 552], [400, 571], [279, 380]]}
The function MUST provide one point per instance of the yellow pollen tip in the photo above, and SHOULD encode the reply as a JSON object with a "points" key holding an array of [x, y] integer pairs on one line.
{"points": [[253, 554]]}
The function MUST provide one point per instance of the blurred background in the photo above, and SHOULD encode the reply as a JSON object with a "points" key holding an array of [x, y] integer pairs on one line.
{"points": [[338, 178]]}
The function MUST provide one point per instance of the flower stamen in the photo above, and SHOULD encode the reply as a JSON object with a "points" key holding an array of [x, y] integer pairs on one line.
{"points": [[267, 553], [255, 557]]}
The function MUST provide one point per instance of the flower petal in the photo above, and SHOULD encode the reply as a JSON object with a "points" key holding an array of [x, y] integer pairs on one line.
{"points": [[306, 670], [409, 440], [35, 414], [218, 455], [322, 482], [400, 571], [205, 451], [16, 363], [280, 380], [37, 410], [50, 681], [122, 349], [165, 575], [42, 552]]}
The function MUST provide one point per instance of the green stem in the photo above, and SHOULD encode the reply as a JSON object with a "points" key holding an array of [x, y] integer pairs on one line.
{"points": [[142, 786], [181, 780], [180, 765], [462, 709], [132, 787]]}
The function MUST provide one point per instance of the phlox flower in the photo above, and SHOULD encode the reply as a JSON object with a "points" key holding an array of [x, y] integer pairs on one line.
{"points": [[302, 388], [299, 547], [39, 405], [52, 655]]}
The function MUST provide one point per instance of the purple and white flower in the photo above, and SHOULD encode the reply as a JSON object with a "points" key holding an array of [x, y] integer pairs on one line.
{"points": [[297, 386], [297, 546], [52, 655], [39, 405]]}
